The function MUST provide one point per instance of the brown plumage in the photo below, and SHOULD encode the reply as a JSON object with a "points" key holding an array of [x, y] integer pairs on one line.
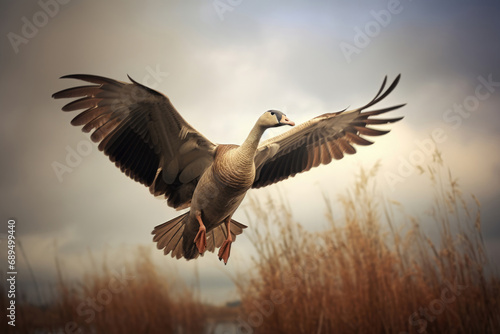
{"points": [[143, 134]]}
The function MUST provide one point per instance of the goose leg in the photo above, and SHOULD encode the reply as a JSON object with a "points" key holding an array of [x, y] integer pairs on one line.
{"points": [[201, 237], [225, 249]]}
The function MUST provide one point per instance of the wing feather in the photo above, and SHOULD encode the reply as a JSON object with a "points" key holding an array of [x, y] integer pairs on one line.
{"points": [[320, 140], [337, 153], [142, 133]]}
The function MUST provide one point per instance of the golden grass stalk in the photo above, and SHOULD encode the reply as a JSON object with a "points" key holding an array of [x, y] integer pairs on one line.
{"points": [[364, 275], [124, 299]]}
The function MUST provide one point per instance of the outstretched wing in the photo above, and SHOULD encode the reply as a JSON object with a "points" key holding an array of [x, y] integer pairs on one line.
{"points": [[142, 133], [319, 140]]}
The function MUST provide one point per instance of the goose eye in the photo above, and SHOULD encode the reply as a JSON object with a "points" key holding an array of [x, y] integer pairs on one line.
{"points": [[272, 113]]}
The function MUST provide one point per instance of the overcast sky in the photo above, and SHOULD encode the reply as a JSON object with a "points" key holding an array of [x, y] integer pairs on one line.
{"points": [[222, 63]]}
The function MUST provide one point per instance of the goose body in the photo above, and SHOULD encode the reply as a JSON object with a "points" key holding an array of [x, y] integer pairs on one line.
{"points": [[143, 134], [218, 194]]}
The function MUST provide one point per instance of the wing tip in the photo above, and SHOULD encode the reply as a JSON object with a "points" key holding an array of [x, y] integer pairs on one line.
{"points": [[78, 76], [132, 80], [150, 90]]}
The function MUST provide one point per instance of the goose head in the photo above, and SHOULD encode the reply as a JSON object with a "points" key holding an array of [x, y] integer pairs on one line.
{"points": [[274, 118]]}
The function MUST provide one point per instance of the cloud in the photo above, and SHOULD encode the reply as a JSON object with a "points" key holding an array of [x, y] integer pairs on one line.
{"points": [[222, 74]]}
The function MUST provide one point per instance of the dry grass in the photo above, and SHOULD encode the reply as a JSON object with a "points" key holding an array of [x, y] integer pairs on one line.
{"points": [[130, 299], [376, 271], [364, 274]]}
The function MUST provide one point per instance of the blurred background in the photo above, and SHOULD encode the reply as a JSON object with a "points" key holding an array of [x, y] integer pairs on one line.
{"points": [[222, 63]]}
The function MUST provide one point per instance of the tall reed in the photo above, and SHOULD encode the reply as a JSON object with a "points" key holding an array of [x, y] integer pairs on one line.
{"points": [[128, 298], [375, 271]]}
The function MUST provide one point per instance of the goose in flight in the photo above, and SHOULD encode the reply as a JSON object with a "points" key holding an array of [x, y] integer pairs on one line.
{"points": [[140, 131]]}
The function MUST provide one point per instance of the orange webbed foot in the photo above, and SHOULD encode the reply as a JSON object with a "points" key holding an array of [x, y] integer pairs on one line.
{"points": [[201, 240], [225, 250]]}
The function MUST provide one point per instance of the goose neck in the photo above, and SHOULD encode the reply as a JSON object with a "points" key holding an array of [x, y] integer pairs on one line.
{"points": [[249, 146]]}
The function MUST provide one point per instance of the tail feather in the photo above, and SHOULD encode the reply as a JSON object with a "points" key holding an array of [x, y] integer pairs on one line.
{"points": [[216, 236], [170, 236]]}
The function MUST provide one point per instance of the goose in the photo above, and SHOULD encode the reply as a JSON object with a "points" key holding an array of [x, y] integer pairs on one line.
{"points": [[141, 132]]}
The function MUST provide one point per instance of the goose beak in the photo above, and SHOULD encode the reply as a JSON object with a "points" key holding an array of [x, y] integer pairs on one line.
{"points": [[285, 120]]}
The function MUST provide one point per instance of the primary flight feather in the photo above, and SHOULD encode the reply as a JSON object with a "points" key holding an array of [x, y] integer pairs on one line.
{"points": [[144, 135]]}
